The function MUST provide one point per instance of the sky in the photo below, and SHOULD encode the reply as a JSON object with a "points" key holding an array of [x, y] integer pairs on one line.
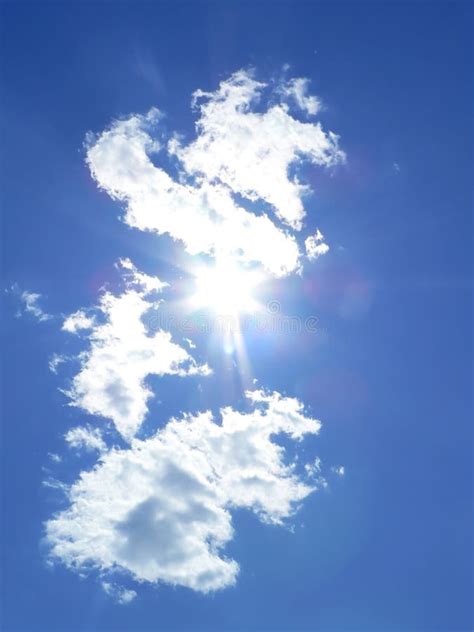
{"points": [[237, 316]]}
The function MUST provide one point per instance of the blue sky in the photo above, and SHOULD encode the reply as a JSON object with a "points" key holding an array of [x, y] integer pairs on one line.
{"points": [[388, 369]]}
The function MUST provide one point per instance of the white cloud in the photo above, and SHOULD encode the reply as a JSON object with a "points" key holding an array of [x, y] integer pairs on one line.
{"points": [[190, 343], [204, 217], [298, 90], [314, 468], [86, 438], [55, 458], [340, 470], [78, 321], [161, 509], [237, 152], [251, 152], [55, 360], [30, 300], [53, 483], [30, 303], [315, 246], [120, 595], [139, 280], [111, 381], [313, 471]]}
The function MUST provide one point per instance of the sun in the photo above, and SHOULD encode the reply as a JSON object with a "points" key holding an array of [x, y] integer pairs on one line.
{"points": [[226, 289]]}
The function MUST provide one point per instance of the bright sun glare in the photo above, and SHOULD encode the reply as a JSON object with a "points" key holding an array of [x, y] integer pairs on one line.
{"points": [[226, 288]]}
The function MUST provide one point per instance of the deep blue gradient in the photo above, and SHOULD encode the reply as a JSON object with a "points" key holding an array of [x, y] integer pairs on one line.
{"points": [[389, 370]]}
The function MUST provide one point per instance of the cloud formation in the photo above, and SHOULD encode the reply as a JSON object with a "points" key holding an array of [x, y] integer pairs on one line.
{"points": [[78, 322], [121, 354], [240, 155], [315, 246], [297, 89], [161, 509], [30, 304], [85, 438], [251, 152], [120, 595]]}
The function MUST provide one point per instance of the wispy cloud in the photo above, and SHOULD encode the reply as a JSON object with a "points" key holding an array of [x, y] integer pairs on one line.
{"points": [[55, 361], [55, 458], [297, 89], [29, 304], [120, 595]]}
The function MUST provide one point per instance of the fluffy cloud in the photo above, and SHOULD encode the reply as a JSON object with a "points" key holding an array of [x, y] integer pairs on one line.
{"points": [[251, 152], [85, 438], [161, 509], [238, 154], [315, 246], [111, 381], [78, 321], [204, 217]]}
